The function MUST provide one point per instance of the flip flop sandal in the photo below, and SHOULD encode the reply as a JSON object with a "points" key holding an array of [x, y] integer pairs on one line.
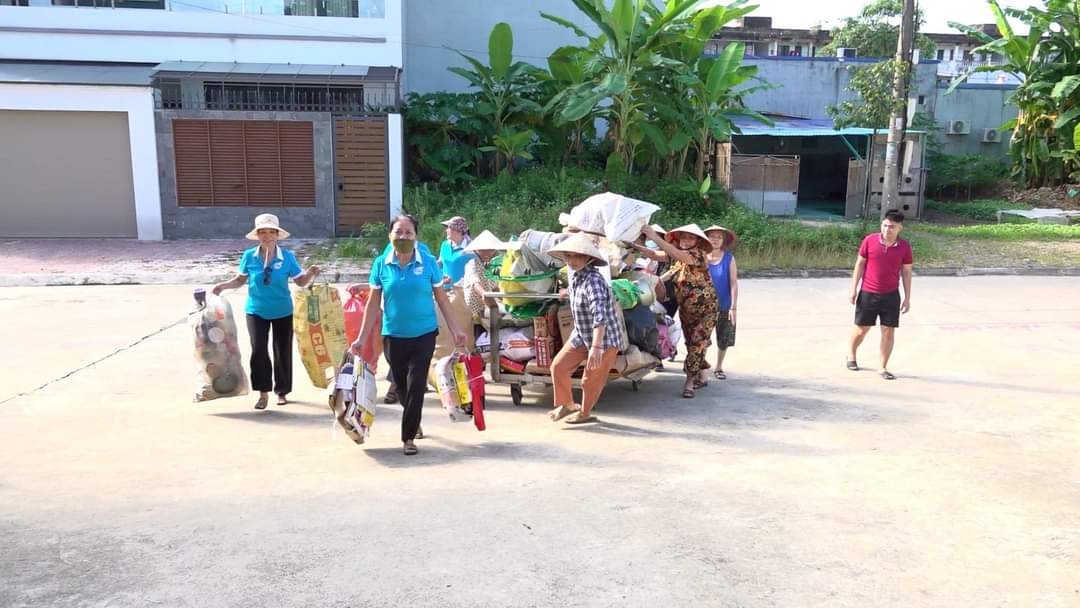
{"points": [[261, 403], [852, 365], [887, 375], [719, 375], [391, 397], [281, 400], [577, 418], [409, 450], [419, 432], [698, 384], [561, 412], [688, 393]]}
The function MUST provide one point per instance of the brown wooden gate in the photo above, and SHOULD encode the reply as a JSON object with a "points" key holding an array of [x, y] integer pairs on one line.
{"points": [[360, 169]]}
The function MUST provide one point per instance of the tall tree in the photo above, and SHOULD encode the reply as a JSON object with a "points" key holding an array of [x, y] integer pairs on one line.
{"points": [[874, 32]]}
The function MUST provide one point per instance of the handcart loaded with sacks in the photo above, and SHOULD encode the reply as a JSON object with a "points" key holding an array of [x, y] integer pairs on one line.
{"points": [[527, 322]]}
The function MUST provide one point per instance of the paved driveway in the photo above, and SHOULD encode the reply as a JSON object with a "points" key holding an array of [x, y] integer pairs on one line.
{"points": [[793, 483]]}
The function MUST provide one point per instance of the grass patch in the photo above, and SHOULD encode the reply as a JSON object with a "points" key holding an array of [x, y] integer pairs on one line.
{"points": [[983, 211], [1005, 232]]}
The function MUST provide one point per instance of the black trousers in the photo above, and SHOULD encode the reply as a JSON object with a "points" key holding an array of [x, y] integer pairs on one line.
{"points": [[259, 331], [409, 361]]}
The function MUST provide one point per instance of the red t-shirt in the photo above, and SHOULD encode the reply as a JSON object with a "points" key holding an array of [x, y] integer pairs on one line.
{"points": [[883, 263]]}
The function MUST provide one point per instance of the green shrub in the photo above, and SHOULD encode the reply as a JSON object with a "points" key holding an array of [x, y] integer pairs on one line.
{"points": [[963, 176], [1008, 232]]}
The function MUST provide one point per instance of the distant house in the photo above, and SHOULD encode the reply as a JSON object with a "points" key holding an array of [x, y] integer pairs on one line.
{"points": [[176, 120]]}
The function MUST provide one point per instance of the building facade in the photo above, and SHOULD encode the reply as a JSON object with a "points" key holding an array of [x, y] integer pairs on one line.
{"points": [[181, 119]]}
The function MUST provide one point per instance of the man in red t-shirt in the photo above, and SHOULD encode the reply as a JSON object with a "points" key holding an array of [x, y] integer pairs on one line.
{"points": [[883, 259]]}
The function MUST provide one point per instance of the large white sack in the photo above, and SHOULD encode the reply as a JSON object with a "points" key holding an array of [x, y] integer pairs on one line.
{"points": [[617, 217]]}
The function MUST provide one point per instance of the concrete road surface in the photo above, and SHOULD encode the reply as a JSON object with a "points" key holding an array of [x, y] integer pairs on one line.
{"points": [[793, 483]]}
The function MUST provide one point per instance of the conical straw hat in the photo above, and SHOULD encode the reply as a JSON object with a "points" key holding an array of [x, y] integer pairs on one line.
{"points": [[578, 243], [486, 242], [730, 239], [695, 230]]}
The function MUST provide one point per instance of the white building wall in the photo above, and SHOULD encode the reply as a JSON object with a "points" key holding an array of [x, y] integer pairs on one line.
{"points": [[152, 36], [137, 103]]}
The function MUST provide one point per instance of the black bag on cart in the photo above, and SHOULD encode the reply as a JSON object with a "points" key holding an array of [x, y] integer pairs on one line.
{"points": [[641, 329]]}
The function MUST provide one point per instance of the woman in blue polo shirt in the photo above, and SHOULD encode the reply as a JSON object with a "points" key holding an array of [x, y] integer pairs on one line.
{"points": [[405, 285], [266, 270], [452, 254]]}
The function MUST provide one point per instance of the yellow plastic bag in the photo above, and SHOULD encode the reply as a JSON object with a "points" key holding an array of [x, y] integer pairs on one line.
{"points": [[319, 326]]}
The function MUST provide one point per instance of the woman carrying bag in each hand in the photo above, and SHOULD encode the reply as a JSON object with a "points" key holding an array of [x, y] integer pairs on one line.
{"points": [[405, 286]]}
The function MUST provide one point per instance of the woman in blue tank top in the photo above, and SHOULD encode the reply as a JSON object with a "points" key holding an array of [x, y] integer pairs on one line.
{"points": [[725, 279]]}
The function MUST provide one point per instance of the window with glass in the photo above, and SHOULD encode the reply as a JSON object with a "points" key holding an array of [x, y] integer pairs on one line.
{"points": [[14, 2], [151, 4]]}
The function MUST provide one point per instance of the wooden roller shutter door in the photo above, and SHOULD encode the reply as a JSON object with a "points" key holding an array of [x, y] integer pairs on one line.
{"points": [[222, 163], [360, 173]]}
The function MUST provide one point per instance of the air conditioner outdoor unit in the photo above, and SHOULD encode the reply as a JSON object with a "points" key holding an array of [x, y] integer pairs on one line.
{"points": [[958, 127], [991, 136], [847, 53]]}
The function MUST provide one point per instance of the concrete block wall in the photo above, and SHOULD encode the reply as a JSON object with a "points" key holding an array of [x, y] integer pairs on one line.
{"points": [[232, 222]]}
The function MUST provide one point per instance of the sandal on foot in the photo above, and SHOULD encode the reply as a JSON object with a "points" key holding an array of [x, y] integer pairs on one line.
{"points": [[700, 384], [281, 400], [852, 365], [719, 374], [261, 403], [887, 375], [409, 449], [391, 397], [577, 418], [419, 432], [561, 412], [688, 393]]}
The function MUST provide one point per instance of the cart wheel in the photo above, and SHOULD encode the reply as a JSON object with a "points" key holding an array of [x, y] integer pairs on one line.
{"points": [[634, 384], [515, 393]]}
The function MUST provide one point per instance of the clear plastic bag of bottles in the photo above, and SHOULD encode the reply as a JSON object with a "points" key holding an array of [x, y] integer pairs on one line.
{"points": [[219, 368]]}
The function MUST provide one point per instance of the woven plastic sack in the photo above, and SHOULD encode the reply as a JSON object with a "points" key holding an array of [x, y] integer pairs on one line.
{"points": [[352, 399], [523, 271], [451, 380], [219, 368], [355, 309], [319, 326], [617, 217]]}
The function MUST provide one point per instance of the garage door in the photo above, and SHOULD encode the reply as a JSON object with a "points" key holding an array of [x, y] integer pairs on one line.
{"points": [[65, 174]]}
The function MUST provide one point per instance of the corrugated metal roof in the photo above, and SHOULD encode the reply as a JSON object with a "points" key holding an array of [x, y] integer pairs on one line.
{"points": [[786, 126], [276, 72], [41, 72]]}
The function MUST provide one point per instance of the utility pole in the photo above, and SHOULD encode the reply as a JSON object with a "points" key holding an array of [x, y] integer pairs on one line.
{"points": [[890, 194]]}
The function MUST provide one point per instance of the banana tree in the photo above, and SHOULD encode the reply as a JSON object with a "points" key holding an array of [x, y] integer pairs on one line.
{"points": [[568, 69], [631, 41], [505, 87], [1047, 60], [511, 144]]}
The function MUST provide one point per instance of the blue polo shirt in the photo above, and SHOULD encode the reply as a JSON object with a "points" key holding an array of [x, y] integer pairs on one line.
{"points": [[454, 258], [407, 302], [269, 301]]}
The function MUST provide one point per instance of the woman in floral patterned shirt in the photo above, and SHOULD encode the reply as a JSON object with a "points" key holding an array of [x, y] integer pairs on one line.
{"points": [[687, 247]]}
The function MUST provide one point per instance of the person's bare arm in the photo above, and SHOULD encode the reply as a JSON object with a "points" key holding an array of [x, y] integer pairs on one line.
{"points": [[733, 278], [905, 273], [309, 275], [673, 252], [596, 352], [652, 254], [232, 283], [856, 276]]}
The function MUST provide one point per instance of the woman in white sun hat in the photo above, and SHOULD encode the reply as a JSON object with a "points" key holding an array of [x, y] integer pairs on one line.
{"points": [[597, 331], [266, 269], [484, 248], [686, 247]]}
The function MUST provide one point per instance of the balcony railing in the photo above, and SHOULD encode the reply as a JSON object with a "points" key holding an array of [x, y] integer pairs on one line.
{"points": [[370, 98]]}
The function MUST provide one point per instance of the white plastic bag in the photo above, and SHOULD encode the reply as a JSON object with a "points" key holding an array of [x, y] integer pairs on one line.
{"points": [[219, 368], [617, 217]]}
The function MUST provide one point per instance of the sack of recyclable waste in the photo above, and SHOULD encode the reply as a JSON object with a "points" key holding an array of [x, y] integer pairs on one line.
{"points": [[522, 271], [319, 327], [618, 217], [219, 368], [352, 398]]}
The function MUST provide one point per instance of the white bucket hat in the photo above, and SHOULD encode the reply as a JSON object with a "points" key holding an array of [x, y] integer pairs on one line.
{"points": [[267, 220], [578, 243], [485, 242]]}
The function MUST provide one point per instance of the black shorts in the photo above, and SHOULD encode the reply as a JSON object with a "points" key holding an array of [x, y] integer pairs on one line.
{"points": [[870, 306], [725, 331]]}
